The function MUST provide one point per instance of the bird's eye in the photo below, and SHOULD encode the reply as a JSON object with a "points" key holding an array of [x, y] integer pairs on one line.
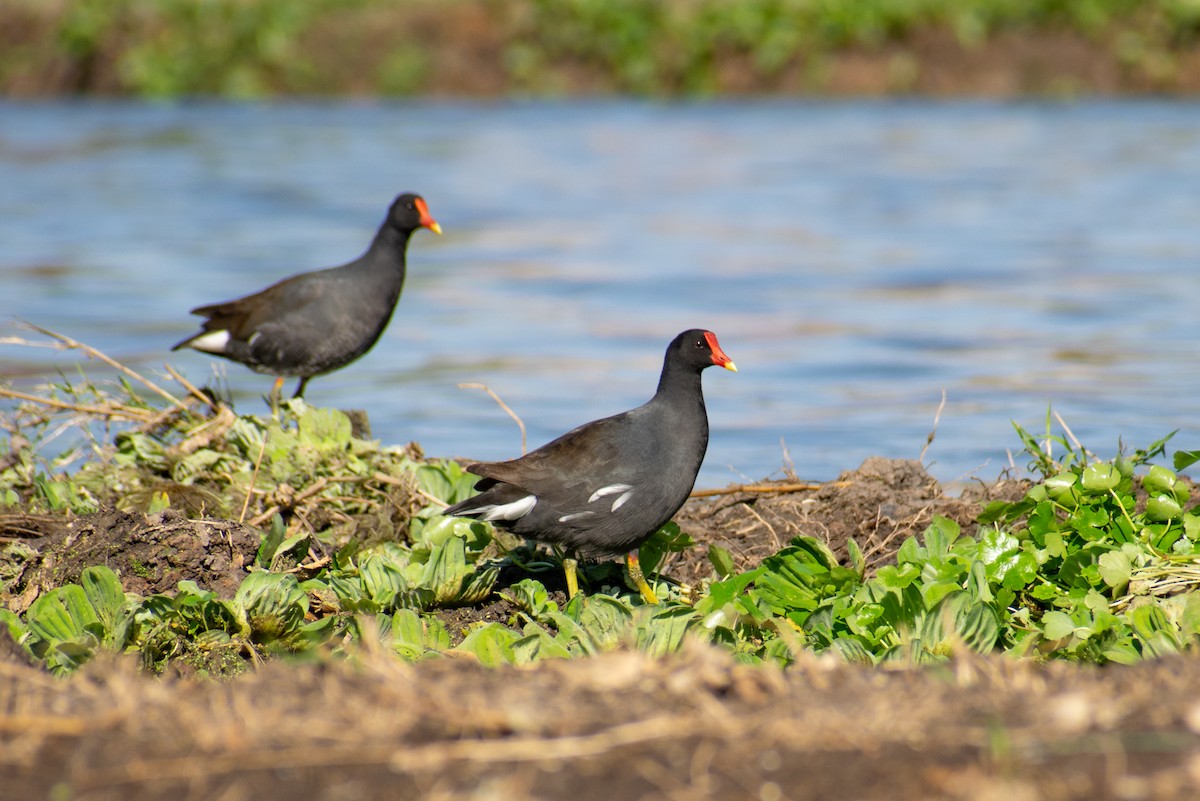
{"points": [[699, 344]]}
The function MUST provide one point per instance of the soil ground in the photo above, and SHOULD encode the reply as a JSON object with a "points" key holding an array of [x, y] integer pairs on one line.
{"points": [[695, 725]]}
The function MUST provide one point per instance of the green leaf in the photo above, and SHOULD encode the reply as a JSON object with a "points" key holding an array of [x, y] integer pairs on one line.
{"points": [[898, 577], [63, 615], [325, 429], [381, 580], [1062, 487], [272, 606], [1154, 630], [478, 585], [413, 636], [1163, 507], [940, 534], [858, 562], [995, 545], [668, 539], [816, 549], [1057, 625], [12, 621], [663, 633], [1159, 480], [270, 542], [158, 502], [853, 651], [491, 643], [446, 569], [976, 625], [721, 593], [104, 594], [1184, 459], [537, 644], [606, 620], [1100, 477], [1115, 568], [721, 560], [531, 597]]}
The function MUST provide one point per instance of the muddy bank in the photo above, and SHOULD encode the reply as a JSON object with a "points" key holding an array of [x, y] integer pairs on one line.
{"points": [[620, 725], [879, 504], [693, 725]]}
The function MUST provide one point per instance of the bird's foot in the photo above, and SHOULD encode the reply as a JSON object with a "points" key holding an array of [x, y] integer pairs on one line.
{"points": [[639, 580]]}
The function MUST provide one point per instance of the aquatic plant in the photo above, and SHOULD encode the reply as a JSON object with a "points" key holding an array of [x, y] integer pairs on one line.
{"points": [[1099, 561]]}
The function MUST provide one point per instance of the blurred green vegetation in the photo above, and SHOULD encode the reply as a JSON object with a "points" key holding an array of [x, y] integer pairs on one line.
{"points": [[254, 48]]}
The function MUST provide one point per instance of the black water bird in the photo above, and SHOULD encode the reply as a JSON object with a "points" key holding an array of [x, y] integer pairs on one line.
{"points": [[316, 322], [603, 488]]}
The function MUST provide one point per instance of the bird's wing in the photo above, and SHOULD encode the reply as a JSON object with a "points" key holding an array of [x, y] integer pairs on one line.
{"points": [[246, 316]]}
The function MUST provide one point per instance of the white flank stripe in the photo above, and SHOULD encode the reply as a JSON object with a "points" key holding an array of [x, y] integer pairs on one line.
{"points": [[575, 516], [212, 342], [617, 503], [609, 490], [508, 511]]}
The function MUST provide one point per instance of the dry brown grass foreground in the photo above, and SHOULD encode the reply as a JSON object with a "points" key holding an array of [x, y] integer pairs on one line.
{"points": [[693, 726]]}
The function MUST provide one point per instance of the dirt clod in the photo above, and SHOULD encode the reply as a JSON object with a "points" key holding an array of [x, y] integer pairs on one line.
{"points": [[150, 553], [878, 505]]}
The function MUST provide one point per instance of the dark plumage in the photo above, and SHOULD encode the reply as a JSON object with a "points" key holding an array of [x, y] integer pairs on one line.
{"points": [[603, 488], [316, 322]]}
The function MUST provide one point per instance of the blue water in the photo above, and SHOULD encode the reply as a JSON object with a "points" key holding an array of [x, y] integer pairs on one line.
{"points": [[855, 259]]}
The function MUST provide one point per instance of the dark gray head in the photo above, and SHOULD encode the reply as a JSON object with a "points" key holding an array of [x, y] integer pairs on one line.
{"points": [[409, 212], [698, 349]]}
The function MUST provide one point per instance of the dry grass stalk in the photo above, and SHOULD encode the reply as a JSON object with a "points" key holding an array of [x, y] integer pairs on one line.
{"points": [[71, 344], [734, 489], [503, 405]]}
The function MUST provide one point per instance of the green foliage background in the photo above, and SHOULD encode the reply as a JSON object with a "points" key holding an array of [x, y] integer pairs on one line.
{"points": [[254, 48]]}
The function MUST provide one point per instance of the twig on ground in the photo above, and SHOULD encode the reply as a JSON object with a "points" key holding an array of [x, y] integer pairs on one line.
{"points": [[107, 410], [733, 489], [254, 478], [203, 435], [72, 344], [193, 390], [502, 404], [770, 528], [1071, 435], [789, 465], [933, 431]]}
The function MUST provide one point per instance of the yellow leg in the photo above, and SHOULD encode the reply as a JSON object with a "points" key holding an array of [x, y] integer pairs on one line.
{"points": [[569, 564], [275, 396], [635, 573]]}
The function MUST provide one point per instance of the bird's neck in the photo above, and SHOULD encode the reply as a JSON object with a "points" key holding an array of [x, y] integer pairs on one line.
{"points": [[680, 382], [389, 243]]}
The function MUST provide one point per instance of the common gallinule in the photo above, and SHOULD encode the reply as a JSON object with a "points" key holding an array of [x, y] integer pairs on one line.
{"points": [[315, 322], [602, 489]]}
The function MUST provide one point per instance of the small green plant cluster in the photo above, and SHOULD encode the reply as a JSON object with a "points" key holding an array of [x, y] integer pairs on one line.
{"points": [[392, 591], [302, 462], [1080, 568]]}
